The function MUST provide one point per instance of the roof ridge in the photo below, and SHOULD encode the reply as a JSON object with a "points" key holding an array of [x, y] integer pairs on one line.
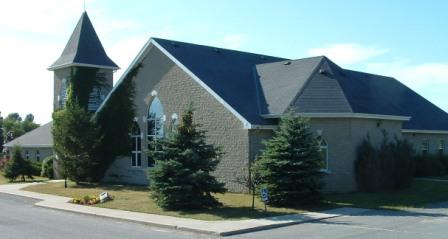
{"points": [[219, 48]]}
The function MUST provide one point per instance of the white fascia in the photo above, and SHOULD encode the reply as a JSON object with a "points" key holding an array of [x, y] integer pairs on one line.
{"points": [[417, 131], [344, 115], [82, 65]]}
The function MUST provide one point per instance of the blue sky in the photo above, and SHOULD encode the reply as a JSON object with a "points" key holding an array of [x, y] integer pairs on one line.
{"points": [[403, 39]]}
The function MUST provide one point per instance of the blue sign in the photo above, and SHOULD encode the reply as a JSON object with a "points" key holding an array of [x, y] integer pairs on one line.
{"points": [[264, 194]]}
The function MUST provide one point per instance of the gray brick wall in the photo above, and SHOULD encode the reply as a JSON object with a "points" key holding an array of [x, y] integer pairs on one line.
{"points": [[176, 90], [342, 136], [433, 139]]}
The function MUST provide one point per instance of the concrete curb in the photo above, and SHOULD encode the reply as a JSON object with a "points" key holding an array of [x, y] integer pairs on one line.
{"points": [[217, 228]]}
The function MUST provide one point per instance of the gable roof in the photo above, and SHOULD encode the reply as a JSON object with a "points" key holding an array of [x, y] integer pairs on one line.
{"points": [[84, 48], [38, 138], [331, 89], [287, 84], [256, 87], [228, 73]]}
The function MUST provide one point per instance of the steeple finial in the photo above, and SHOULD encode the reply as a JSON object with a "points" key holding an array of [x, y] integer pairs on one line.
{"points": [[84, 5]]}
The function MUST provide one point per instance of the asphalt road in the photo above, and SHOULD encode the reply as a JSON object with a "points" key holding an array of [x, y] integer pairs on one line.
{"points": [[20, 219], [378, 224]]}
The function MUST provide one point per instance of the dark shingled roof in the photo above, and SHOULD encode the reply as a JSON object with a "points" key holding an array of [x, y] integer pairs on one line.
{"points": [[38, 138], [254, 85], [331, 89], [84, 48], [229, 73], [374, 94]]}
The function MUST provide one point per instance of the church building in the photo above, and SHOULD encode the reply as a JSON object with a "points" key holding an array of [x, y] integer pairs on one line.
{"points": [[239, 98]]}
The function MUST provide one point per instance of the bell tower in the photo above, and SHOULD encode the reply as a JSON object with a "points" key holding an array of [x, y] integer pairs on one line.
{"points": [[84, 49]]}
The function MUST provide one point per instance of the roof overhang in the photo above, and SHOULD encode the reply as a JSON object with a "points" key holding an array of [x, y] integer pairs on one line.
{"points": [[7, 145], [418, 131], [57, 67], [343, 115]]}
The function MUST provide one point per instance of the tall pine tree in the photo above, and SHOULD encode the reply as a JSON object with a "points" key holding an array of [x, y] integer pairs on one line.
{"points": [[182, 176], [290, 166]]}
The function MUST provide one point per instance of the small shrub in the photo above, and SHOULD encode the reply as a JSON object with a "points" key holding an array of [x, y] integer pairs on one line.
{"points": [[389, 167], [47, 167], [18, 166], [367, 167], [36, 167]]}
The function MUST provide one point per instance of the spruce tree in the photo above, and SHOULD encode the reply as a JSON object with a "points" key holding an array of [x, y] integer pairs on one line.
{"points": [[76, 138], [182, 176], [18, 166], [290, 166]]}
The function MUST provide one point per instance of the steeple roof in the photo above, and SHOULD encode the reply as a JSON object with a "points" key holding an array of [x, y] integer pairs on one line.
{"points": [[84, 48]]}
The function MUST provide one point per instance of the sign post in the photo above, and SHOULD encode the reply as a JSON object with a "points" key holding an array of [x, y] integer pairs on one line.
{"points": [[265, 197]]}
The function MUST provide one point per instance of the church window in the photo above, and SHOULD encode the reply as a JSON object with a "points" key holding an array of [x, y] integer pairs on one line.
{"points": [[155, 126], [136, 153]]}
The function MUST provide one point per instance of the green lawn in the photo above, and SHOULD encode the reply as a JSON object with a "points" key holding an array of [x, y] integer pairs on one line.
{"points": [[419, 194], [4, 180], [237, 206]]}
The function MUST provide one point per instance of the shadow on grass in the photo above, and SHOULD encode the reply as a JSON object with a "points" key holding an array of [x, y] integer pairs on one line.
{"points": [[109, 187], [246, 212]]}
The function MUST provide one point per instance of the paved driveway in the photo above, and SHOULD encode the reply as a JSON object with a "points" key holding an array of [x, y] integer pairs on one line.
{"points": [[427, 223]]}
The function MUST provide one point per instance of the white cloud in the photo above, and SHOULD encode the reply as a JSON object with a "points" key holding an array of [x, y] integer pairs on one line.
{"points": [[347, 54]]}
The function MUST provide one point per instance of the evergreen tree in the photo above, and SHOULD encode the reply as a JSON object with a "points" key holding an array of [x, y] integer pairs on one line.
{"points": [[18, 166], [290, 166], [2, 139], [184, 163], [75, 140]]}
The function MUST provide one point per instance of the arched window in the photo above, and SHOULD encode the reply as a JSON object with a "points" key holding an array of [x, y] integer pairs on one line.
{"points": [[323, 150], [155, 129], [136, 153]]}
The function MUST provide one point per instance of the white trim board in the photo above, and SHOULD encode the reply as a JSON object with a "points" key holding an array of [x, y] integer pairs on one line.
{"points": [[81, 64], [417, 131], [344, 115]]}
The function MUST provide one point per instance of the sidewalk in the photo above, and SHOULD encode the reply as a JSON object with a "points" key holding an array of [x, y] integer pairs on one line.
{"points": [[220, 228]]}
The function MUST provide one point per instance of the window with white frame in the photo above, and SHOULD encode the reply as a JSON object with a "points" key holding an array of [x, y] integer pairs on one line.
{"points": [[155, 127], [441, 146], [136, 153], [425, 146], [323, 151], [27, 154], [37, 155]]}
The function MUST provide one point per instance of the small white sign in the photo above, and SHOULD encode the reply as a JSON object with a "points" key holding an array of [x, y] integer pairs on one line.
{"points": [[104, 196]]}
